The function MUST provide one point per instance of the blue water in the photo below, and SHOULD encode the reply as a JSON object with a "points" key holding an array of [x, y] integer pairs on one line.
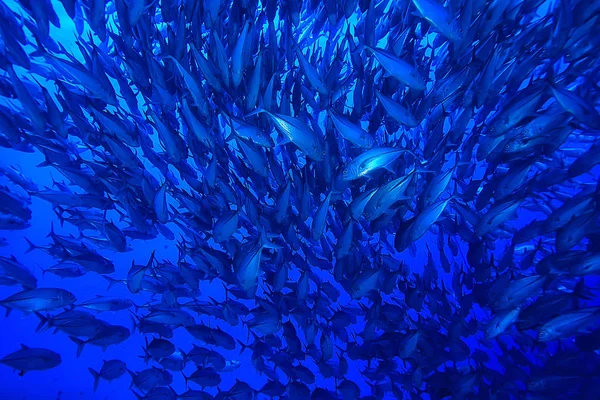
{"points": [[72, 380]]}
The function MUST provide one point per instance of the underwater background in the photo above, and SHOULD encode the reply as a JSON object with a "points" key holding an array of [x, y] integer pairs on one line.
{"points": [[299, 199]]}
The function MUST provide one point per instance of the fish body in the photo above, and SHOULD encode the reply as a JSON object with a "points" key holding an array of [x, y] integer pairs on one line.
{"points": [[371, 161], [39, 299], [32, 359]]}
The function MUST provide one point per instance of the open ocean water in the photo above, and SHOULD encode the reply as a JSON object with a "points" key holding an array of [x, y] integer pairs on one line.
{"points": [[299, 199]]}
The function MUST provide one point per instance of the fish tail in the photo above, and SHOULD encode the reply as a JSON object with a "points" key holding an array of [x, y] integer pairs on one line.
{"points": [[151, 259], [185, 377], [58, 210], [51, 234], [579, 293], [80, 344], [111, 281], [43, 321], [133, 376], [31, 246], [134, 321], [136, 394], [96, 376]]}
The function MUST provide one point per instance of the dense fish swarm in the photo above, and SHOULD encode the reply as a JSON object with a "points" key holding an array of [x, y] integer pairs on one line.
{"points": [[352, 199]]}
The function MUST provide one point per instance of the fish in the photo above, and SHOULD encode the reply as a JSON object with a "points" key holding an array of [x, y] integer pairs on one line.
{"points": [[399, 69], [32, 359], [370, 161], [327, 200], [439, 17], [298, 133], [501, 322], [351, 132], [397, 111], [106, 336], [111, 369], [568, 323], [13, 269], [39, 299], [106, 304]]}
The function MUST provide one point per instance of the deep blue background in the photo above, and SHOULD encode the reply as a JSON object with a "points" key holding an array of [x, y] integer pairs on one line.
{"points": [[71, 380]]}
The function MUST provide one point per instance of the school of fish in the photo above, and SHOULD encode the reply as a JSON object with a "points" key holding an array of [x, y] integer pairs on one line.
{"points": [[407, 188]]}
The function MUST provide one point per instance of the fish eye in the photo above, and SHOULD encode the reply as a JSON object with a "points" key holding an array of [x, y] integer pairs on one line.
{"points": [[345, 172], [532, 384], [461, 30]]}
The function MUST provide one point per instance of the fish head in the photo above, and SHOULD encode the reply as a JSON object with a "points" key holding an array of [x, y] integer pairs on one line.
{"points": [[545, 334], [455, 33], [535, 385], [10, 222], [68, 297], [420, 82], [372, 209], [500, 302], [351, 171], [167, 377], [515, 144], [370, 212]]}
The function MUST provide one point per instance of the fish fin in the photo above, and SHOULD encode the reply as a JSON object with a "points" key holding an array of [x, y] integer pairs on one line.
{"points": [[43, 321], [96, 376], [135, 323], [44, 164], [255, 112], [579, 293], [80, 344], [31, 246], [51, 234], [283, 141], [133, 377], [137, 394], [389, 168], [151, 259], [111, 281]]}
